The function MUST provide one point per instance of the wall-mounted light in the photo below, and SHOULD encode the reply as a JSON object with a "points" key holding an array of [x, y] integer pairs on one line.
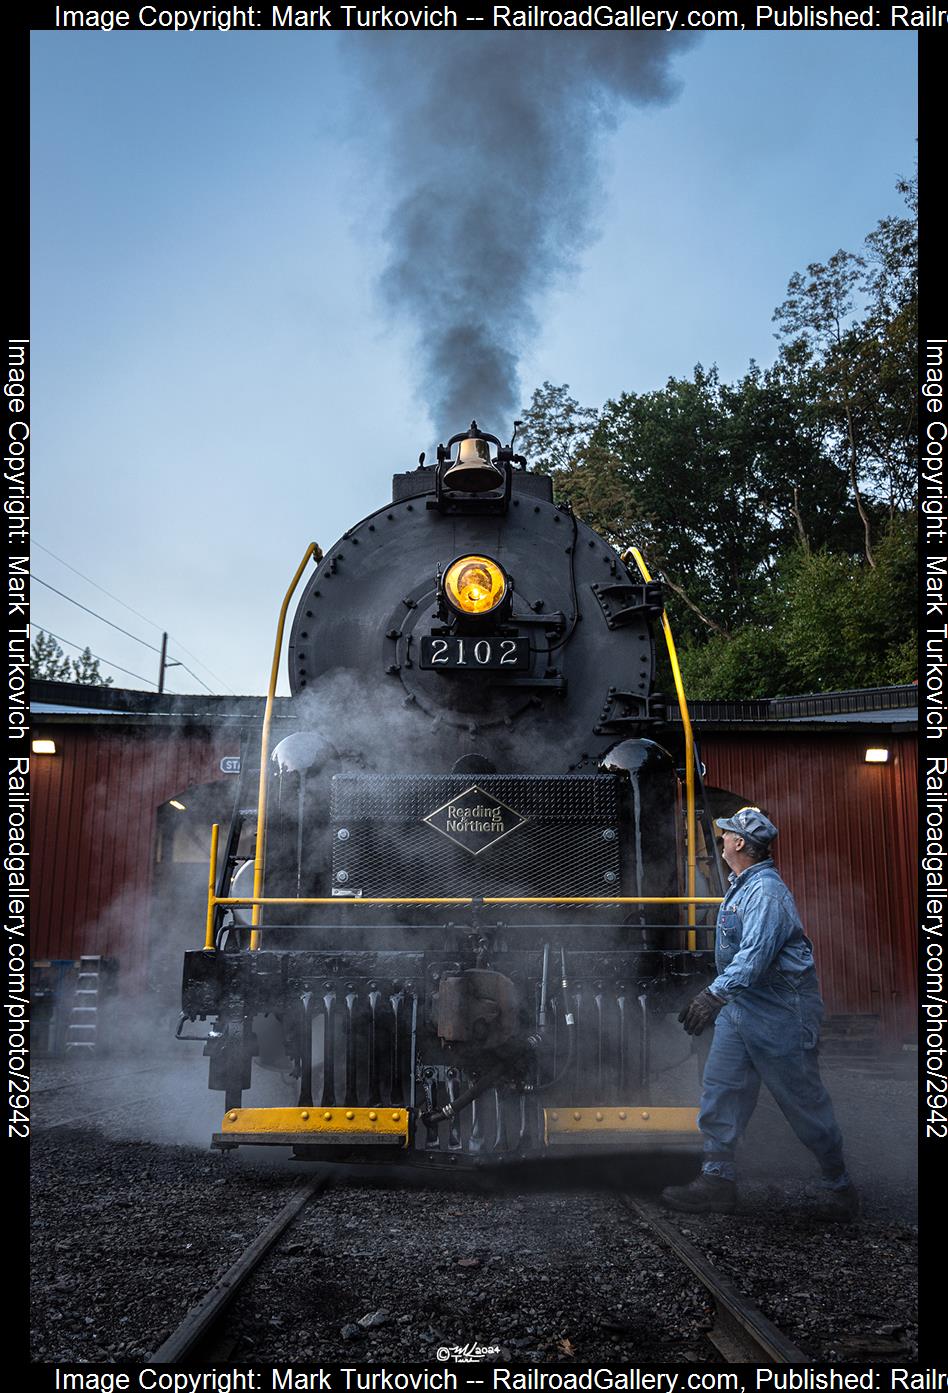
{"points": [[876, 756], [44, 747], [181, 807]]}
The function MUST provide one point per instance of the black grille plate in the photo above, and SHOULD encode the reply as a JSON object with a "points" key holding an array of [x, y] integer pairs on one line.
{"points": [[566, 843]]}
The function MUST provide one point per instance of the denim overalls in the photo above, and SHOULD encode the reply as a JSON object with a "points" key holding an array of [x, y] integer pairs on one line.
{"points": [[769, 1028]]}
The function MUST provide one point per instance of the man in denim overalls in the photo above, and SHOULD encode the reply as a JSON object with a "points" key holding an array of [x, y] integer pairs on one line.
{"points": [[766, 1009]]}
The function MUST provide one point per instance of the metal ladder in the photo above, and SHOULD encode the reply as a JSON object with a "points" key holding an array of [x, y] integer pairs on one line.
{"points": [[83, 1027]]}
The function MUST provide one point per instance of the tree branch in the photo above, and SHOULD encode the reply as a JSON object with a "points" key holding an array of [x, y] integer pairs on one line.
{"points": [[692, 606], [851, 437], [798, 518]]}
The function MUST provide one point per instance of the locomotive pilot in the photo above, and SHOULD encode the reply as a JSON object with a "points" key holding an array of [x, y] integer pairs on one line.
{"points": [[766, 1008]]}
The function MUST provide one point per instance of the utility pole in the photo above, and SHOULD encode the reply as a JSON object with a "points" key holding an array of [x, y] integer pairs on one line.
{"points": [[164, 662]]}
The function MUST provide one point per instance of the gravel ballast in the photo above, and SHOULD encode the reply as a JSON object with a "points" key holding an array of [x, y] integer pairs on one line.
{"points": [[129, 1230]]}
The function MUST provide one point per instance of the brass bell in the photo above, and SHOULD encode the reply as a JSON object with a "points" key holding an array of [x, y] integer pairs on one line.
{"points": [[473, 471]]}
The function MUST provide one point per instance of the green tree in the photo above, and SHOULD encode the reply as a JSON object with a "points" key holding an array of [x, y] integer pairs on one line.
{"points": [[710, 480], [86, 671], [47, 660], [852, 323], [891, 329], [834, 622], [848, 624], [814, 319], [775, 508], [749, 663], [555, 429]]}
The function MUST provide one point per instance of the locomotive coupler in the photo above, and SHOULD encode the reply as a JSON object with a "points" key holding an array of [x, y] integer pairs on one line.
{"points": [[478, 1008]]}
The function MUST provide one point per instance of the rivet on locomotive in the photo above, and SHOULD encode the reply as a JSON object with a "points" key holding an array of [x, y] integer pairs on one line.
{"points": [[479, 884]]}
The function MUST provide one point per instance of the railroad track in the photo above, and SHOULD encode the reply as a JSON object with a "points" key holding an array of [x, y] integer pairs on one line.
{"points": [[86, 1116], [89, 1085], [740, 1332], [88, 1081], [197, 1328]]}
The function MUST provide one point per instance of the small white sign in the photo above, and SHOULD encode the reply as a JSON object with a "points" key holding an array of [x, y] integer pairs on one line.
{"points": [[230, 764]]}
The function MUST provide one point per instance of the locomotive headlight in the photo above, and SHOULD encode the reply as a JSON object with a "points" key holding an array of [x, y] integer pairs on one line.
{"points": [[475, 585]]}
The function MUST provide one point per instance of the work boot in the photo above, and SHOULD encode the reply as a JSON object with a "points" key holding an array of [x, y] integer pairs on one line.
{"points": [[840, 1206], [709, 1194]]}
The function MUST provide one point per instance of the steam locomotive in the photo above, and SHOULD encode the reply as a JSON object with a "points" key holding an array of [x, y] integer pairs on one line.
{"points": [[473, 891]]}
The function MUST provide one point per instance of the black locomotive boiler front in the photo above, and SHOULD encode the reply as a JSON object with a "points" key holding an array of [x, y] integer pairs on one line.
{"points": [[471, 787]]}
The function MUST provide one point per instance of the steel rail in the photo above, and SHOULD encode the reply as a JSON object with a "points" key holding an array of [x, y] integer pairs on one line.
{"points": [[90, 1081], [96, 1112], [82, 1117], [741, 1332], [201, 1317]]}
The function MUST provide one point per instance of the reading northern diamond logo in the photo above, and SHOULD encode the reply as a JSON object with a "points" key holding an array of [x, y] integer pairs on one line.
{"points": [[475, 819]]}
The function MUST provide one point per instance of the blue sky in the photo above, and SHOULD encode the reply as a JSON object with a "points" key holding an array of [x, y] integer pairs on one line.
{"points": [[216, 380]]}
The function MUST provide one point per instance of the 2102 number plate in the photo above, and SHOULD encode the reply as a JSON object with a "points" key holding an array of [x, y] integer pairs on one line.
{"points": [[469, 651]]}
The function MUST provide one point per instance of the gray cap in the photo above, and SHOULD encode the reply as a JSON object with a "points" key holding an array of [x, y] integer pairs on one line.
{"points": [[751, 824]]}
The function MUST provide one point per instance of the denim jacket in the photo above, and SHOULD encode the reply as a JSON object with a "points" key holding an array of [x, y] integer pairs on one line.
{"points": [[760, 936]]}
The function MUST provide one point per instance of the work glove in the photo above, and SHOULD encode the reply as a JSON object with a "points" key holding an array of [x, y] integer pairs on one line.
{"points": [[700, 1012]]}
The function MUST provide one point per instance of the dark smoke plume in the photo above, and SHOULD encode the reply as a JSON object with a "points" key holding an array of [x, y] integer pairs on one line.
{"points": [[491, 142]]}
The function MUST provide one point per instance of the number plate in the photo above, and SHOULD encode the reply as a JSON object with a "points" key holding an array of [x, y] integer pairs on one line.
{"points": [[468, 651]]}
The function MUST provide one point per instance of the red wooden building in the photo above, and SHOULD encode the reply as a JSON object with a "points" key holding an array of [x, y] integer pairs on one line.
{"points": [[121, 816]]}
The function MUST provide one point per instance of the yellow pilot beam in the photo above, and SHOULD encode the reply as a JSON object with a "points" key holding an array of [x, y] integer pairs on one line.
{"points": [[333, 1123], [689, 753], [611, 1124], [258, 859], [211, 877]]}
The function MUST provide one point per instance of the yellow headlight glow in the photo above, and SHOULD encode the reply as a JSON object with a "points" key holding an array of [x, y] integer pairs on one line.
{"points": [[475, 585]]}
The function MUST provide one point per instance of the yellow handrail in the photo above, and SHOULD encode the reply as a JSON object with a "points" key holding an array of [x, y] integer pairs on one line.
{"points": [[311, 550], [471, 899], [689, 752], [229, 901], [211, 875]]}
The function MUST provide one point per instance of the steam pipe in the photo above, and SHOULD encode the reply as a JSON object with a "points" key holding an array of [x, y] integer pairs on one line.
{"points": [[541, 1014], [570, 1021], [462, 1101]]}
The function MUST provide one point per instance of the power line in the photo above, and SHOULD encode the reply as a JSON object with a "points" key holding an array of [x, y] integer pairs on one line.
{"points": [[167, 662], [97, 616], [138, 613], [195, 676], [97, 586], [70, 644], [125, 632], [179, 644]]}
